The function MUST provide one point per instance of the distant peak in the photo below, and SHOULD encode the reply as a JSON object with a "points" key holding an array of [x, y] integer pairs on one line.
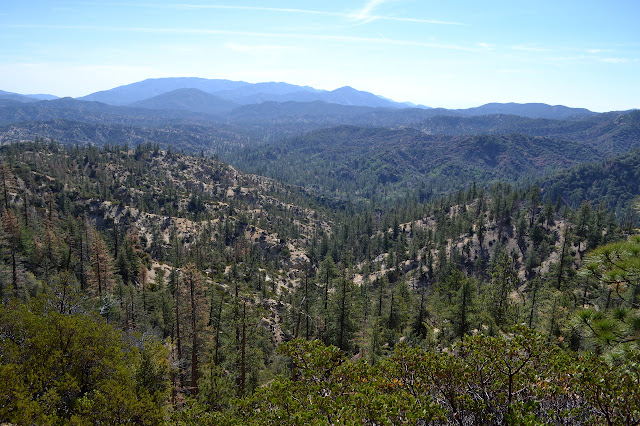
{"points": [[346, 88]]}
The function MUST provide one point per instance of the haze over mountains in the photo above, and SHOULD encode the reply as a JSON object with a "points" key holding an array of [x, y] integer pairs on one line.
{"points": [[343, 141], [240, 92], [7, 98], [219, 97]]}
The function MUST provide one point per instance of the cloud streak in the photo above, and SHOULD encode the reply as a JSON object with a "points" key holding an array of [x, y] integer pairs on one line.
{"points": [[363, 14], [416, 20], [592, 59], [530, 49], [252, 8], [258, 49], [615, 60], [287, 36]]}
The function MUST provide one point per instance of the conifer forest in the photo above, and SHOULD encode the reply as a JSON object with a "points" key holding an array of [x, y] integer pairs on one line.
{"points": [[146, 284]]}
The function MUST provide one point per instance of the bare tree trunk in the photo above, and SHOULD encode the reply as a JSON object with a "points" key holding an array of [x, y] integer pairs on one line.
{"points": [[98, 275], [14, 273], [306, 296], [236, 318], [26, 208], [83, 278], [243, 364], [343, 314], [178, 340], [194, 349], [326, 290], [216, 360], [563, 255], [533, 301]]}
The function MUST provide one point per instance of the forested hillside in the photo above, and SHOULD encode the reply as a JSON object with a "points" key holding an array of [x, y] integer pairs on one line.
{"points": [[369, 161], [612, 182], [362, 212], [142, 285], [219, 125]]}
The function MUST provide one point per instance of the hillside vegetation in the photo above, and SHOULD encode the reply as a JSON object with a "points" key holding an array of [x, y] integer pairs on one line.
{"points": [[358, 261], [366, 161], [142, 285]]}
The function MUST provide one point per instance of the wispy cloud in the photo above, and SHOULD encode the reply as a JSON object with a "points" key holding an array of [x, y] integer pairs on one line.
{"points": [[615, 60], [257, 49], [592, 59], [287, 36], [566, 58], [530, 48], [364, 15], [511, 71], [254, 8], [416, 20]]}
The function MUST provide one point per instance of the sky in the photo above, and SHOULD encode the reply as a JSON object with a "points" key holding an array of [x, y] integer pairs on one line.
{"points": [[452, 54]]}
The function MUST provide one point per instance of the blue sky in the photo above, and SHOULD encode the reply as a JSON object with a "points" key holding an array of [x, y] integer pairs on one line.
{"points": [[453, 54]]}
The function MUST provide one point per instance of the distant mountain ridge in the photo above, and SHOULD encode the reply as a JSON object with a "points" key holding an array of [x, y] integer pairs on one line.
{"points": [[24, 98], [530, 110], [612, 133], [244, 93], [240, 92], [141, 94], [94, 112], [188, 100], [141, 90]]}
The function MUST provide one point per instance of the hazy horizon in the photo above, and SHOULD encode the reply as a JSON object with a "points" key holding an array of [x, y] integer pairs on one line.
{"points": [[577, 54]]}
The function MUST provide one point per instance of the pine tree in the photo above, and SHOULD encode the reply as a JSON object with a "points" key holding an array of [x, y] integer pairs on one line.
{"points": [[197, 309], [464, 308], [11, 228], [101, 276], [8, 183]]}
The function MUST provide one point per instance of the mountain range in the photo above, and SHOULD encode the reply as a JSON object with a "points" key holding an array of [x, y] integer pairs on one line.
{"points": [[219, 97], [342, 142], [341, 218], [239, 92]]}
